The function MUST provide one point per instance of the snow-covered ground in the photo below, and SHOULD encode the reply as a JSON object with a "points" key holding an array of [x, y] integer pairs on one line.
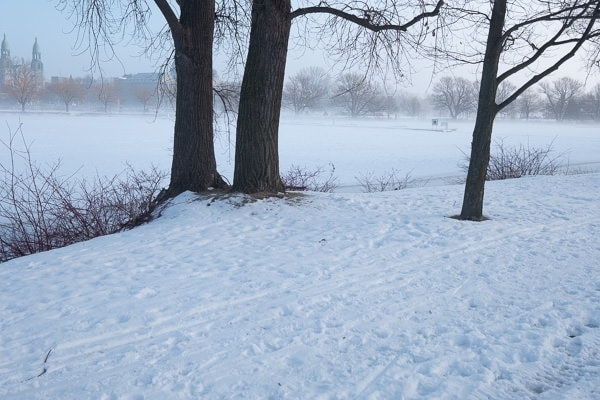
{"points": [[104, 144], [317, 296]]}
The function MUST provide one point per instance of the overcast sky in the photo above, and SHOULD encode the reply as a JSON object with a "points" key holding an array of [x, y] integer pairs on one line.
{"points": [[24, 20]]}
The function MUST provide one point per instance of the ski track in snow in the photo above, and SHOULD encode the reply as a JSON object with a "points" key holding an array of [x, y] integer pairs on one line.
{"points": [[287, 299], [320, 296]]}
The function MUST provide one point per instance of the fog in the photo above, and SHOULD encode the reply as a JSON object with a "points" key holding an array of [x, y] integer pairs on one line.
{"points": [[64, 52]]}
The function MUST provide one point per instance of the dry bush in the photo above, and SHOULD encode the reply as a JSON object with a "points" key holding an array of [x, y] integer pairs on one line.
{"points": [[42, 210], [300, 178], [392, 180], [507, 162]]}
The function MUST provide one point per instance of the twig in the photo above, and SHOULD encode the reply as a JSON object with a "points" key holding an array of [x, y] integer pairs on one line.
{"points": [[44, 369]]}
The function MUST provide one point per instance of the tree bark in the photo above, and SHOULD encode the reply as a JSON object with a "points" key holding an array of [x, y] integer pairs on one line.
{"points": [[472, 208], [194, 165], [257, 153]]}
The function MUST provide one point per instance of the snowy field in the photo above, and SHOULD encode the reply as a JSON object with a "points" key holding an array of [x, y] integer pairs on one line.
{"points": [[91, 144], [347, 295]]}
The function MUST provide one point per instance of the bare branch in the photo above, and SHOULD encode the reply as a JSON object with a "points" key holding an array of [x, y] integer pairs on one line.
{"points": [[583, 38], [366, 22], [169, 14]]}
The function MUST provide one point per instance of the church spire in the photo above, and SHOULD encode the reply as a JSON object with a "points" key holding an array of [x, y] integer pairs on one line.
{"points": [[36, 54], [36, 61], [5, 49]]}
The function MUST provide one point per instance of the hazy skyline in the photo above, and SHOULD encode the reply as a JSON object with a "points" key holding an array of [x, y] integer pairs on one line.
{"points": [[22, 23]]}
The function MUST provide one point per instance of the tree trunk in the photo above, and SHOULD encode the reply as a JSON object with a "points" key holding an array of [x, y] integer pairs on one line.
{"points": [[194, 165], [257, 153], [472, 208]]}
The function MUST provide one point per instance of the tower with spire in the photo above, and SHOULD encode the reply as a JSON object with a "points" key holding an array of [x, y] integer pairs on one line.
{"points": [[37, 66], [6, 65]]}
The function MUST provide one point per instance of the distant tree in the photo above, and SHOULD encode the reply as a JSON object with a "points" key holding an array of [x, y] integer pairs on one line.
{"points": [[592, 103], [67, 90], [144, 94], [505, 89], [24, 85], [357, 95], [108, 93], [390, 105], [306, 89], [560, 95], [410, 104], [167, 89], [226, 102], [528, 103], [456, 95]]}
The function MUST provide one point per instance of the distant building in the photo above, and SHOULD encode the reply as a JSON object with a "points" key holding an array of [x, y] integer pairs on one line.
{"points": [[137, 87], [8, 65], [144, 79], [37, 66]]}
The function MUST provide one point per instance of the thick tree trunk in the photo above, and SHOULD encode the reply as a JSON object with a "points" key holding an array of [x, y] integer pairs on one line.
{"points": [[472, 208], [194, 165], [257, 152]]}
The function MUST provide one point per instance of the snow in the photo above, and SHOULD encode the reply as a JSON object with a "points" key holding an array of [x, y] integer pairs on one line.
{"points": [[342, 295]]}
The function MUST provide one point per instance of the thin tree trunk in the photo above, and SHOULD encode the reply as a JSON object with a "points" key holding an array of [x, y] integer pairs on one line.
{"points": [[257, 153], [472, 208], [194, 165]]}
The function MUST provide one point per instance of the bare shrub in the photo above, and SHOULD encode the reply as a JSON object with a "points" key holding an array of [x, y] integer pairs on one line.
{"points": [[392, 180], [42, 210], [300, 178], [507, 162]]}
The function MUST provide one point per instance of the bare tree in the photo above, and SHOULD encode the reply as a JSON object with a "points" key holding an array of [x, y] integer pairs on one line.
{"points": [[358, 96], [257, 147], [505, 89], [457, 95], [227, 97], [68, 90], [533, 29], [306, 89], [592, 103], [144, 94], [375, 33], [389, 105], [24, 85], [559, 95], [167, 88], [190, 30], [410, 104], [528, 103], [108, 93]]}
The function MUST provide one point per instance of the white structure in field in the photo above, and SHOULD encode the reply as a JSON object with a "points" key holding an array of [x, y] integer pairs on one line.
{"points": [[438, 124]]}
